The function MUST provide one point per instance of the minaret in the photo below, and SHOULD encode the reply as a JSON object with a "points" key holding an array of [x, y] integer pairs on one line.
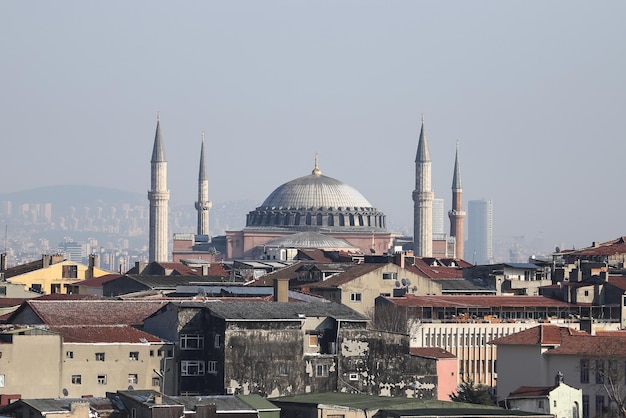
{"points": [[457, 214], [203, 205], [159, 197], [423, 200]]}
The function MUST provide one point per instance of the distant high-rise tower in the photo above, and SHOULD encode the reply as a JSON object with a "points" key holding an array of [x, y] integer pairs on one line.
{"points": [[203, 205], [457, 214], [159, 197], [423, 200], [480, 231], [438, 211]]}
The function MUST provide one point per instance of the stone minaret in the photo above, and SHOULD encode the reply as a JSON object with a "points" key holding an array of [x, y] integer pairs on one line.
{"points": [[159, 197], [423, 200], [457, 214], [203, 205]]}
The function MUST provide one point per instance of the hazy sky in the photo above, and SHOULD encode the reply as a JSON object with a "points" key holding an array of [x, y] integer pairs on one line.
{"points": [[535, 93]]}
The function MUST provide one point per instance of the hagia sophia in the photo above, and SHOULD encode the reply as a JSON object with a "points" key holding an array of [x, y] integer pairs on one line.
{"points": [[312, 211]]}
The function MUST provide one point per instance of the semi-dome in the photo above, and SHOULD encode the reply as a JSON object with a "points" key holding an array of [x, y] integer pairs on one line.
{"points": [[309, 239], [317, 202]]}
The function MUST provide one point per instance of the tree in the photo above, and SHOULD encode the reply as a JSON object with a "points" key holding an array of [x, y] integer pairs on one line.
{"points": [[469, 392], [610, 378]]}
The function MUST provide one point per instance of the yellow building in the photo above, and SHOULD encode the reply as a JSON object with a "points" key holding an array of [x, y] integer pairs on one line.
{"points": [[52, 274]]}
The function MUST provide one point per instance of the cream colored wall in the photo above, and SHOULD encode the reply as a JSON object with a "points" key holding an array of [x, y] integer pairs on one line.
{"points": [[519, 366], [116, 366], [372, 285], [32, 359], [54, 275]]}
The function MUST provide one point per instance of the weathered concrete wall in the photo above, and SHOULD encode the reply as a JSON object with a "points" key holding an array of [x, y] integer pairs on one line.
{"points": [[379, 363]]}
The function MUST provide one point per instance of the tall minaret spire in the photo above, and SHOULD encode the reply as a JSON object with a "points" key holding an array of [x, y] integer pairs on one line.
{"points": [[423, 200], [456, 214], [159, 196], [203, 205]]}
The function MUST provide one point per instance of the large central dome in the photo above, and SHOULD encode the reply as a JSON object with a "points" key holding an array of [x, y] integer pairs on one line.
{"points": [[316, 202]]}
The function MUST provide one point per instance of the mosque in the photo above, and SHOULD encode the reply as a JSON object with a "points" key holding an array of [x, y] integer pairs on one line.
{"points": [[312, 211]]}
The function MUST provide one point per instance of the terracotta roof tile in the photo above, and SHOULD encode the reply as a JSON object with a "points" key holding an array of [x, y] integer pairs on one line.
{"points": [[532, 391], [92, 312], [424, 267], [431, 352], [104, 334], [540, 335], [98, 281]]}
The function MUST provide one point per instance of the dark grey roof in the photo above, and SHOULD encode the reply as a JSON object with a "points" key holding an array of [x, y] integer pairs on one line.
{"points": [[461, 285], [309, 239], [158, 152], [222, 402], [249, 310], [522, 265], [170, 282], [63, 404], [423, 154]]}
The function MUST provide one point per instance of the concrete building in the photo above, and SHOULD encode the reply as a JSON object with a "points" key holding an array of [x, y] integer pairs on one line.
{"points": [[479, 249], [159, 199], [594, 363], [423, 200]]}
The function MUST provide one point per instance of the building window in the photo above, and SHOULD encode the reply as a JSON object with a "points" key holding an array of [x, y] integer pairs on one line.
{"points": [[156, 381], [133, 413], [70, 272], [599, 404], [212, 367], [55, 288], [599, 371], [69, 354], [102, 379], [218, 341], [99, 356], [132, 378], [3, 290], [355, 297], [584, 370], [390, 276], [133, 355], [192, 368], [151, 353], [585, 406], [283, 369], [77, 379], [1, 380], [191, 342], [321, 370], [540, 404], [312, 340]]}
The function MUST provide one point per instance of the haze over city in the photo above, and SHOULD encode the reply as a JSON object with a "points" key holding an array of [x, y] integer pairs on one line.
{"points": [[533, 91]]}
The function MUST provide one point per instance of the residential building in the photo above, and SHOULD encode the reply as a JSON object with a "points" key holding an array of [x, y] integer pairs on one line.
{"points": [[479, 247], [510, 278], [560, 400], [52, 274], [280, 348], [594, 363]]}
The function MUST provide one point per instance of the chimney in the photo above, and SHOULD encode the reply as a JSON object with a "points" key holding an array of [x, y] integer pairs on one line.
{"points": [[140, 266], [558, 379], [158, 399], [94, 262], [281, 290], [205, 269], [46, 260], [3, 262], [586, 324]]}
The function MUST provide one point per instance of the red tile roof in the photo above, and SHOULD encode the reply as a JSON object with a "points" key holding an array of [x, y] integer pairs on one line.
{"points": [[424, 267], [532, 391], [103, 334], [567, 341], [608, 248], [314, 254], [92, 312], [478, 301], [431, 352], [98, 281], [351, 273], [617, 281], [215, 269]]}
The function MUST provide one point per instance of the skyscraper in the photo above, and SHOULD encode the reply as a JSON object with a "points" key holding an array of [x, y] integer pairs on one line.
{"points": [[438, 211], [423, 200], [479, 246], [159, 197], [457, 214], [203, 205]]}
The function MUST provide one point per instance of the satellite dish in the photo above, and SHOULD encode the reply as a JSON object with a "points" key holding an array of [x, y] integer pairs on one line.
{"points": [[398, 284], [130, 387], [557, 249], [65, 392]]}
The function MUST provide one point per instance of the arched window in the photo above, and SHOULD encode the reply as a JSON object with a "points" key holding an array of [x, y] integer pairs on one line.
{"points": [[308, 219], [331, 220], [319, 218], [351, 219], [361, 220], [297, 221], [342, 221], [287, 219]]}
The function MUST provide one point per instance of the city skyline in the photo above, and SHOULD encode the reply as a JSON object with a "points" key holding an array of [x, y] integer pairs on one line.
{"points": [[528, 95]]}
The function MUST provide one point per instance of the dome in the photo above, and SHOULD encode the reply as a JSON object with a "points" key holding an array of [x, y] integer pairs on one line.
{"points": [[316, 203], [309, 239], [316, 191]]}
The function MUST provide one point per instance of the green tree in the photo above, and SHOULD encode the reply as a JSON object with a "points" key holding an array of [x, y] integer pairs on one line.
{"points": [[469, 392]]}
